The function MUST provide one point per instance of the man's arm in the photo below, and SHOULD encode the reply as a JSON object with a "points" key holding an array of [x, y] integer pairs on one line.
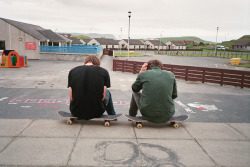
{"points": [[104, 92], [70, 94]]}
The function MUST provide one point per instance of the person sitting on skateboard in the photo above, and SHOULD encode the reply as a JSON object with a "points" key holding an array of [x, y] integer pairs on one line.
{"points": [[158, 86], [89, 96]]}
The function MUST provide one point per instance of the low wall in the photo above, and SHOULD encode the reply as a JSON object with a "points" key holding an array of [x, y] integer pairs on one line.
{"points": [[191, 73], [66, 56]]}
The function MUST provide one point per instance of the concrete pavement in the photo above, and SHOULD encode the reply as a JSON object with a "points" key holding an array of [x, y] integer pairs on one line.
{"points": [[44, 142], [26, 142]]}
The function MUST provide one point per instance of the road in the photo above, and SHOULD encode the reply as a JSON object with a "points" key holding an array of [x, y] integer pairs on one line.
{"points": [[40, 90]]}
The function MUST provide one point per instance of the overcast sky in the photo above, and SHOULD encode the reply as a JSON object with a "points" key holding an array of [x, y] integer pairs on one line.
{"points": [[149, 18]]}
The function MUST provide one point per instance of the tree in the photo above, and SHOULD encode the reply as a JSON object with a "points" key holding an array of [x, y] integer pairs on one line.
{"points": [[189, 46], [201, 44]]}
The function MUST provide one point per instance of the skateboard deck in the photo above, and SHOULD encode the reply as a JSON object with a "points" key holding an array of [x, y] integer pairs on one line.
{"points": [[106, 118], [174, 120]]}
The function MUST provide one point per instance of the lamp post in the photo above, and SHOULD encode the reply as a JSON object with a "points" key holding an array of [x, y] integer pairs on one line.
{"points": [[216, 42], [160, 44], [129, 15], [121, 45]]}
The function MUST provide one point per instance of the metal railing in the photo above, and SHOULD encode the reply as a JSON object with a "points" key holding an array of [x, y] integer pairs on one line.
{"points": [[191, 73], [82, 49]]}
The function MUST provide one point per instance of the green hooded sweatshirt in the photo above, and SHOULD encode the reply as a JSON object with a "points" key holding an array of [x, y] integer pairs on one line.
{"points": [[158, 91]]}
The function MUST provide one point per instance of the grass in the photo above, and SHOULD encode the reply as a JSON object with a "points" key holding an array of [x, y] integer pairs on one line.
{"points": [[210, 53], [245, 65], [125, 54]]}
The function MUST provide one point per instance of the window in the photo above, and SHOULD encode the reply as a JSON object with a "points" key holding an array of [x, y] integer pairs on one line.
{"points": [[2, 45], [55, 43]]}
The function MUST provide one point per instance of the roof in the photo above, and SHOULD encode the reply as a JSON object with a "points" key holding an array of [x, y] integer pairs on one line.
{"points": [[106, 41], [178, 42], [134, 42], [242, 43], [65, 38], [33, 30], [189, 42], [157, 42], [75, 40], [86, 40], [51, 35]]}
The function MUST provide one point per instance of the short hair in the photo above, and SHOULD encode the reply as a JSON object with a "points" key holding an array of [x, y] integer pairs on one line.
{"points": [[153, 63], [93, 59]]}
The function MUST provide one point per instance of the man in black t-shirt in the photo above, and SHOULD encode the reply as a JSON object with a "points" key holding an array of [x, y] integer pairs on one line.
{"points": [[89, 96]]}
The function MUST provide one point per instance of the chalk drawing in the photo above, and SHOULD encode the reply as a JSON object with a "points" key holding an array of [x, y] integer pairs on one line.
{"points": [[55, 107], [26, 106], [4, 98], [204, 107], [135, 155], [121, 103], [39, 101], [185, 107], [46, 102]]}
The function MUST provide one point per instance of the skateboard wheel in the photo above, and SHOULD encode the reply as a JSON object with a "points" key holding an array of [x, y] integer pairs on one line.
{"points": [[139, 125], [107, 124], [176, 126], [69, 122]]}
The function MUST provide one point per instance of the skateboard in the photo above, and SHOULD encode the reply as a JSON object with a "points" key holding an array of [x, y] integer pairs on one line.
{"points": [[106, 118], [173, 121]]}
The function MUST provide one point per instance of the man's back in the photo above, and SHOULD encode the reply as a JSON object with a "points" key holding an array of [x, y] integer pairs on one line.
{"points": [[87, 83], [158, 91]]}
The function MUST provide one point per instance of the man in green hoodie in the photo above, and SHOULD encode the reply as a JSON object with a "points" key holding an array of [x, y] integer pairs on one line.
{"points": [[158, 86]]}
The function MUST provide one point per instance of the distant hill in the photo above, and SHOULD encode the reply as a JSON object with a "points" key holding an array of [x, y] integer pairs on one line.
{"points": [[195, 39], [245, 37], [230, 43], [95, 35], [81, 36]]}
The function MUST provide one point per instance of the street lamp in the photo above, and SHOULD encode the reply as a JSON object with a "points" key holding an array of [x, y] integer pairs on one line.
{"points": [[160, 44], [216, 42], [129, 15], [121, 45]]}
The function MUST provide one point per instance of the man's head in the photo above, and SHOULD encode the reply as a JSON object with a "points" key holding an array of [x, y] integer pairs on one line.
{"points": [[153, 63], [92, 59]]}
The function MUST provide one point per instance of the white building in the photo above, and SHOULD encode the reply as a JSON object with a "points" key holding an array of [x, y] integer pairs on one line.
{"points": [[26, 39], [134, 44], [176, 45], [105, 42], [155, 45], [242, 45]]}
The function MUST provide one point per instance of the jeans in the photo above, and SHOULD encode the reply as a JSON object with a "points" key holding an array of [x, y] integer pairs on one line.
{"points": [[109, 103], [134, 104]]}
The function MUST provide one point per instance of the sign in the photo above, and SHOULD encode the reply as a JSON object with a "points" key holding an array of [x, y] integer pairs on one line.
{"points": [[30, 45]]}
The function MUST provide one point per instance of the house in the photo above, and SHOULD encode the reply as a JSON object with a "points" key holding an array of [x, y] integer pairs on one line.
{"points": [[133, 44], [176, 45], [105, 42], [85, 41], [73, 40], [241, 45], [26, 38], [155, 44]]}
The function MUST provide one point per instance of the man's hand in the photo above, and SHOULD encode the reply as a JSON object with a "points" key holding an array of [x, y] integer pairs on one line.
{"points": [[70, 94], [144, 67], [104, 92]]}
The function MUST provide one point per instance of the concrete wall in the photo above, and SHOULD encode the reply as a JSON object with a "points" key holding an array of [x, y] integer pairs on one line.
{"points": [[15, 39], [66, 56]]}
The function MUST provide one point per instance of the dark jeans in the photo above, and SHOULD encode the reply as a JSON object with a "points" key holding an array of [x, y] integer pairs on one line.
{"points": [[109, 103], [134, 104]]}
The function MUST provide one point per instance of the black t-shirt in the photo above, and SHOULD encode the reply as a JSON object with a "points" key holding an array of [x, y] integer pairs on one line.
{"points": [[87, 83]]}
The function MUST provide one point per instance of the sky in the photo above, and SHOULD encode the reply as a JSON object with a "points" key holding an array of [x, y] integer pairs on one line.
{"points": [[149, 18]]}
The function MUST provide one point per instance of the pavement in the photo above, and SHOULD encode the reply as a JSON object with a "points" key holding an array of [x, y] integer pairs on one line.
{"points": [[206, 139]]}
